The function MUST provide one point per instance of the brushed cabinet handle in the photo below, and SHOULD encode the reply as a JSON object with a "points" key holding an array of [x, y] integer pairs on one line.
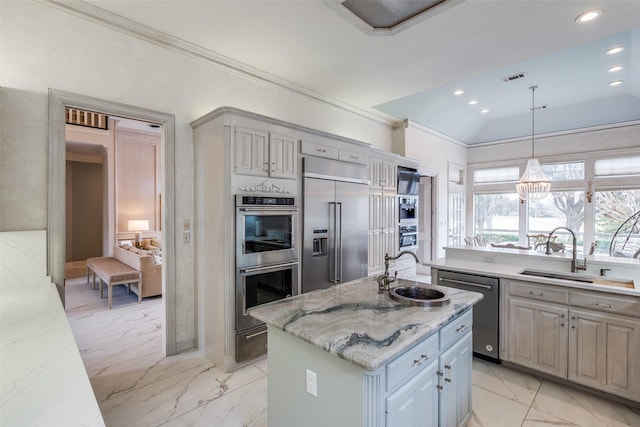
{"points": [[321, 150], [536, 294], [461, 328], [423, 358], [604, 305]]}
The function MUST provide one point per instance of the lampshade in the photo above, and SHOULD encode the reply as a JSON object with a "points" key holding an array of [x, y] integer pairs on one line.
{"points": [[138, 225], [534, 184]]}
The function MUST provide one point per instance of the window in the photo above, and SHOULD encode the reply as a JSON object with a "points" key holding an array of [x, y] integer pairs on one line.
{"points": [[564, 171], [623, 166], [613, 208], [559, 209], [496, 217], [492, 176], [591, 196]]}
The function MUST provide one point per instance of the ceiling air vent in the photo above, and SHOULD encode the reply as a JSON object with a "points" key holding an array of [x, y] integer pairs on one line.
{"points": [[514, 77]]}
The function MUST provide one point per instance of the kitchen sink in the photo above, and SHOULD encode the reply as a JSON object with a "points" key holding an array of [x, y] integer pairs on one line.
{"points": [[425, 296], [575, 277]]}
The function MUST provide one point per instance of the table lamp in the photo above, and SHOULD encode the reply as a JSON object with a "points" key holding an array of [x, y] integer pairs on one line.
{"points": [[138, 226]]}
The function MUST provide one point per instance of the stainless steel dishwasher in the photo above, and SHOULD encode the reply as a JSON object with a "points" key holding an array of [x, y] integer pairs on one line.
{"points": [[486, 313]]}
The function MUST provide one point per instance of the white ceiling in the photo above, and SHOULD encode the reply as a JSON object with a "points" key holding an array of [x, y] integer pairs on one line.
{"points": [[411, 74]]}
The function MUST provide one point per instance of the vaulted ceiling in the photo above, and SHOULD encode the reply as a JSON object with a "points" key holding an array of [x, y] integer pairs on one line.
{"points": [[469, 45]]}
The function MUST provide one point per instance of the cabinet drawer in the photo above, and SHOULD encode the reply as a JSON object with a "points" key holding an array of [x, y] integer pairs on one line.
{"points": [[412, 361], [618, 304], [538, 292], [456, 329], [406, 273], [353, 157], [319, 150]]}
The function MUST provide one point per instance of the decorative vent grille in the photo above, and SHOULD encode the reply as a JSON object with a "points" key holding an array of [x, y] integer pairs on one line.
{"points": [[514, 77], [87, 118]]}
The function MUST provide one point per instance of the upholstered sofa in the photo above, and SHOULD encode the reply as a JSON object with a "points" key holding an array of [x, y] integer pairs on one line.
{"points": [[145, 261]]}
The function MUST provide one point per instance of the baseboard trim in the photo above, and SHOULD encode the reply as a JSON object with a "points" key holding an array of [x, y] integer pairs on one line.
{"points": [[186, 345]]}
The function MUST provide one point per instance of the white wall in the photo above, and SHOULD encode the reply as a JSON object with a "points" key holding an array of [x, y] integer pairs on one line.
{"points": [[43, 47]]}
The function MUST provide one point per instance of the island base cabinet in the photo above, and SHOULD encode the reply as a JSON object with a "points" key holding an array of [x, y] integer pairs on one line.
{"points": [[455, 383], [416, 403], [341, 387]]}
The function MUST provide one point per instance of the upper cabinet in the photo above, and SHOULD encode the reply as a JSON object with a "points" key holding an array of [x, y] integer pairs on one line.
{"points": [[342, 151], [262, 153], [383, 173]]}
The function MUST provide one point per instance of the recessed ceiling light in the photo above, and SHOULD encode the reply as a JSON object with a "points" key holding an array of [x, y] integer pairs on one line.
{"points": [[614, 50], [615, 68], [484, 111], [473, 102], [458, 92], [588, 16], [616, 82]]}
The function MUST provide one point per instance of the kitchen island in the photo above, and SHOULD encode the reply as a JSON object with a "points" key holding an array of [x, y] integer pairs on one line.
{"points": [[348, 356]]}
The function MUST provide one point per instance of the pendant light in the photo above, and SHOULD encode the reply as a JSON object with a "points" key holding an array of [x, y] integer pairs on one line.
{"points": [[534, 184]]}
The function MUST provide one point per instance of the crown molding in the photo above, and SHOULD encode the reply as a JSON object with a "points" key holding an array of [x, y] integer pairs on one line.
{"points": [[167, 41]]}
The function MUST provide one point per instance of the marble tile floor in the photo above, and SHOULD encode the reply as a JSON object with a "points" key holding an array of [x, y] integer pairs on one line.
{"points": [[136, 386]]}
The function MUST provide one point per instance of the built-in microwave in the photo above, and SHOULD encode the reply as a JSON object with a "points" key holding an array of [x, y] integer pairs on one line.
{"points": [[407, 209]]}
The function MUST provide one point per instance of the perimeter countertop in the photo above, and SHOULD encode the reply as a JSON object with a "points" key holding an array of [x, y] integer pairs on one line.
{"points": [[355, 323], [43, 380], [513, 271]]}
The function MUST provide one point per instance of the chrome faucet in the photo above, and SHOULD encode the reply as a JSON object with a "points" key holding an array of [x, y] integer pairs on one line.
{"points": [[384, 280], [574, 262]]}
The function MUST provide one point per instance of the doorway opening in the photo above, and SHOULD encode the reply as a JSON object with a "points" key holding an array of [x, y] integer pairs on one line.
{"points": [[59, 101], [426, 223]]}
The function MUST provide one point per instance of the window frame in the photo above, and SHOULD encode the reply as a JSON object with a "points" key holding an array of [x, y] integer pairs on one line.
{"points": [[590, 184]]}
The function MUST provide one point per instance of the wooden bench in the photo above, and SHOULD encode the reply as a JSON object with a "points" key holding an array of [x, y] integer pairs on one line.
{"points": [[112, 272]]}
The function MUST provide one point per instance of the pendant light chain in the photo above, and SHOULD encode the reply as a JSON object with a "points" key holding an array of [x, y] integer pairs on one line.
{"points": [[534, 184], [533, 119]]}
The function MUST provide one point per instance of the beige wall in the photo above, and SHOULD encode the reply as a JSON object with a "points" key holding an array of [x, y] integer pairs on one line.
{"points": [[43, 47], [84, 210]]}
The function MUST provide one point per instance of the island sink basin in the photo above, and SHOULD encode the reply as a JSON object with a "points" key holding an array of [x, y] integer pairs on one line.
{"points": [[575, 277], [425, 296]]}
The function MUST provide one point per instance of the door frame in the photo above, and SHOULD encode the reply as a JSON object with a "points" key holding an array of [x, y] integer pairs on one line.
{"points": [[56, 215]]}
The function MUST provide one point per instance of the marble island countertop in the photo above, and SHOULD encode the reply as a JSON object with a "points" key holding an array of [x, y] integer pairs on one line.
{"points": [[355, 323]]}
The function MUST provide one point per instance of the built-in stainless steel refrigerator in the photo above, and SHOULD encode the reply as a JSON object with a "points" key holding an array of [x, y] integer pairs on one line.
{"points": [[335, 223]]}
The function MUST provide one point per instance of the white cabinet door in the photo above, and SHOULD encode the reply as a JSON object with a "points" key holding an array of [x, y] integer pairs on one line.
{"points": [[283, 157], [389, 176], [415, 404], [376, 257], [250, 152], [455, 394], [375, 211], [603, 352], [375, 170], [263, 154], [390, 211], [538, 336]]}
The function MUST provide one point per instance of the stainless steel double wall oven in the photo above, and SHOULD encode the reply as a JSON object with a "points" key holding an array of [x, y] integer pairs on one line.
{"points": [[266, 264]]}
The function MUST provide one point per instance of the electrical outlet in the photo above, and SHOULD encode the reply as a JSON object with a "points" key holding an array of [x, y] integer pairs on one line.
{"points": [[186, 225], [489, 259], [186, 237], [312, 383]]}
